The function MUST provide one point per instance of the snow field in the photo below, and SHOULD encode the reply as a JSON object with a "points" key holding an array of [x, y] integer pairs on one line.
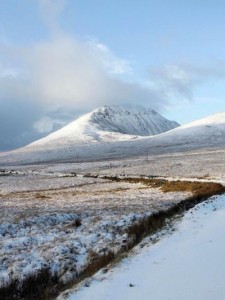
{"points": [[59, 222]]}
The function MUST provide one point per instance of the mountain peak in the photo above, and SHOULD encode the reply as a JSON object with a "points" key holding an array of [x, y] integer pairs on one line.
{"points": [[110, 123], [127, 109], [131, 120]]}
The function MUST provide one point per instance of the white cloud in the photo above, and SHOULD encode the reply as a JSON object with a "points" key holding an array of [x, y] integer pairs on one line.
{"points": [[181, 80], [66, 72], [112, 63]]}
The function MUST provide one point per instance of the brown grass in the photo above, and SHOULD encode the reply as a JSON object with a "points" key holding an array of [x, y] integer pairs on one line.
{"points": [[203, 189], [41, 196], [200, 189]]}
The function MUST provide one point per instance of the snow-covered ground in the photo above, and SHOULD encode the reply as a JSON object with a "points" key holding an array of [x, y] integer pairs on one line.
{"points": [[39, 206], [61, 221], [194, 164], [185, 264]]}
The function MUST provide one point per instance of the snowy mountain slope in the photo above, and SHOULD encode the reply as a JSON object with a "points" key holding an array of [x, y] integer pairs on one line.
{"points": [[207, 133], [107, 124]]}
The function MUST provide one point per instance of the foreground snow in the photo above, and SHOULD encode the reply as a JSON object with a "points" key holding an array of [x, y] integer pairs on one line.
{"points": [[189, 264]]}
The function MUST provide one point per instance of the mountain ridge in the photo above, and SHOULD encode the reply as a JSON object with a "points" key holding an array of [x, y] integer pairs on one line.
{"points": [[110, 123]]}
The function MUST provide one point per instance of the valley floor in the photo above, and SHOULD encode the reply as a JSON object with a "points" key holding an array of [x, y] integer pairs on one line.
{"points": [[68, 219]]}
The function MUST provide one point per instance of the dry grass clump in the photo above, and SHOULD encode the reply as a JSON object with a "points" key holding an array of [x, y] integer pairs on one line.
{"points": [[41, 196], [200, 189], [204, 189]]}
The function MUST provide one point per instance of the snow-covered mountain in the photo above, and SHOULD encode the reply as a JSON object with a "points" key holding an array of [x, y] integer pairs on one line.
{"points": [[107, 124], [207, 133]]}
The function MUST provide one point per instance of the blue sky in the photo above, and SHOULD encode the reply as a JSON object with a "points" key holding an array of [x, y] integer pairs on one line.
{"points": [[60, 58]]}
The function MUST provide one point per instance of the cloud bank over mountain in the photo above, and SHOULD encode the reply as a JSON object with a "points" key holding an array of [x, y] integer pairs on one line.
{"points": [[65, 73]]}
